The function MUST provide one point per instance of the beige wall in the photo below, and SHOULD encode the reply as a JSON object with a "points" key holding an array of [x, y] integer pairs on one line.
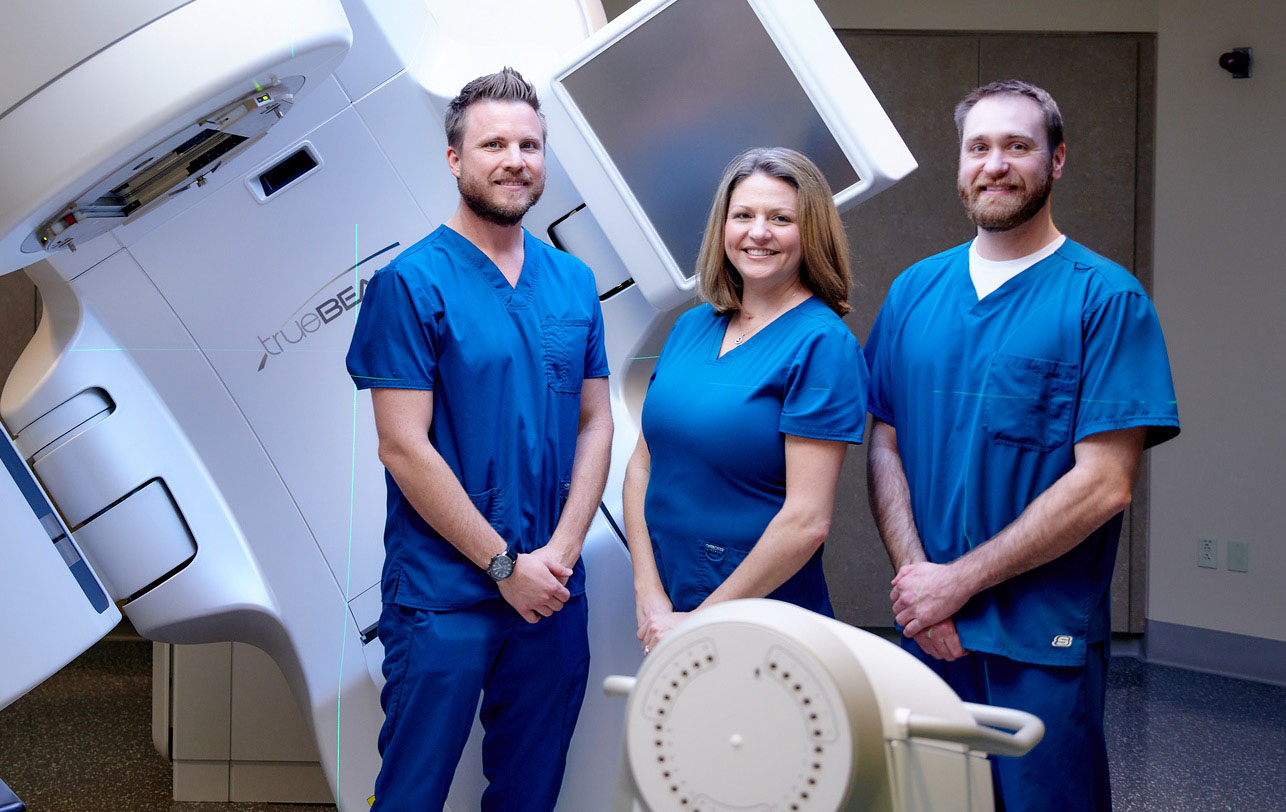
{"points": [[1219, 283], [1221, 290], [1220, 236], [980, 15], [1220, 287], [987, 15]]}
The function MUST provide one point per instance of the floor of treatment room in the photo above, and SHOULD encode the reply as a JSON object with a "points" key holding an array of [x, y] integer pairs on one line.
{"points": [[1178, 740]]}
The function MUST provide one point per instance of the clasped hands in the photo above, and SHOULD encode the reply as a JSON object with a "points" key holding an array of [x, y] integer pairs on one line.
{"points": [[925, 596], [538, 585]]}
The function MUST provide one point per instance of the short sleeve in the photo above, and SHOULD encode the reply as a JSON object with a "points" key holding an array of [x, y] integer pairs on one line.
{"points": [[879, 400], [595, 353], [826, 386], [1125, 371], [395, 342]]}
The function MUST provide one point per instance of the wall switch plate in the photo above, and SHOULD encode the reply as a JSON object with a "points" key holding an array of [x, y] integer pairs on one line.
{"points": [[1207, 552], [1238, 556]]}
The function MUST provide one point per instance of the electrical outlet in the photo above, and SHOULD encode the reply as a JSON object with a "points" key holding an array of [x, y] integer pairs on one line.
{"points": [[1207, 552], [1238, 556]]}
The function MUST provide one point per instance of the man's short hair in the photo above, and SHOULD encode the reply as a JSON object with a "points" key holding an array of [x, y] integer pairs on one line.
{"points": [[506, 85], [1015, 87]]}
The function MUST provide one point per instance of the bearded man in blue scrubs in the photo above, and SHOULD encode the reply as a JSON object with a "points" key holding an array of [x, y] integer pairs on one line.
{"points": [[1015, 382], [483, 350]]}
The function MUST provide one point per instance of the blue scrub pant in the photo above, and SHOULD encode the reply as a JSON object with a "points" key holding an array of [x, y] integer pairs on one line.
{"points": [[531, 678], [1068, 769]]}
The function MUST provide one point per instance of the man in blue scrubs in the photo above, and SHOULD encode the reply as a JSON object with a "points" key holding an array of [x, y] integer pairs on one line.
{"points": [[483, 350], [1015, 382]]}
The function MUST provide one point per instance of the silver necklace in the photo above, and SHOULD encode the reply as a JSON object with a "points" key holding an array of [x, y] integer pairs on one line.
{"points": [[748, 331]]}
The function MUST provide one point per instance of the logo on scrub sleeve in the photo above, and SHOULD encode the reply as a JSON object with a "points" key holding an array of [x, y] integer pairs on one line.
{"points": [[1062, 641], [320, 309]]}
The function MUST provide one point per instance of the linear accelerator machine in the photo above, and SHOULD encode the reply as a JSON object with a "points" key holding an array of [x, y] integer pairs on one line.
{"points": [[200, 190]]}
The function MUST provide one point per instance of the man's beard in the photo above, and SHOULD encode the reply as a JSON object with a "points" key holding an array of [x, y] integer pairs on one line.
{"points": [[1014, 213], [474, 196]]}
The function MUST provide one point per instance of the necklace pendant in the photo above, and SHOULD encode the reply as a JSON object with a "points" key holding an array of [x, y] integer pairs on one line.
{"points": [[739, 339]]}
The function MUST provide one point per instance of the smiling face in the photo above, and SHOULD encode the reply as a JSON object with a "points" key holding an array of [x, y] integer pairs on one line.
{"points": [[500, 165], [1006, 167], [761, 234]]}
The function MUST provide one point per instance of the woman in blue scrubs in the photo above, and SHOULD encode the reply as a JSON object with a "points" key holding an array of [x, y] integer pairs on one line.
{"points": [[757, 393]]}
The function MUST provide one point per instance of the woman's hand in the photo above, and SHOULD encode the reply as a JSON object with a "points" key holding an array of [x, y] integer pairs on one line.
{"points": [[649, 603], [655, 628]]}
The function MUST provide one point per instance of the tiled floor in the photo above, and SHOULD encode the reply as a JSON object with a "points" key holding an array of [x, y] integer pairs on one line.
{"points": [[1180, 740], [81, 742]]}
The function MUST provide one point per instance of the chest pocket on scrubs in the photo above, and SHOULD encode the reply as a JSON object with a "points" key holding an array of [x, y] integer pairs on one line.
{"points": [[1028, 402], [563, 344]]}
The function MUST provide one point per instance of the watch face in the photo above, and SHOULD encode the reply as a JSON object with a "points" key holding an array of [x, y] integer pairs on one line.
{"points": [[501, 567]]}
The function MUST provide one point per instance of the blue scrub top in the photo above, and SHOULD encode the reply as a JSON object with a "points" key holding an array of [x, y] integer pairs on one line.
{"points": [[716, 426], [505, 365], [988, 398]]}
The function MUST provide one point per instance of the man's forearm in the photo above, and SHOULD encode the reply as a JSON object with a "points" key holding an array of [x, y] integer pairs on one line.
{"points": [[1066, 513], [1095, 489], [402, 420], [890, 498], [588, 478], [433, 490]]}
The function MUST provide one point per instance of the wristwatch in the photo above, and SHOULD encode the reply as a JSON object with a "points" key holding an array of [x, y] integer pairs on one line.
{"points": [[502, 565]]}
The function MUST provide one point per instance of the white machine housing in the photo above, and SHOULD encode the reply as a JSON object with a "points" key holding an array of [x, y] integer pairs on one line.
{"points": [[758, 704], [184, 405]]}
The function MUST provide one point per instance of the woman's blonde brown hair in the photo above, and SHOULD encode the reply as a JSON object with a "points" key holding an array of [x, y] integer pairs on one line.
{"points": [[823, 268]]}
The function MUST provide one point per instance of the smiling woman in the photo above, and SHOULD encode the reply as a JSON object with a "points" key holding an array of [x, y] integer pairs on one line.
{"points": [[730, 490], [766, 177], [761, 234]]}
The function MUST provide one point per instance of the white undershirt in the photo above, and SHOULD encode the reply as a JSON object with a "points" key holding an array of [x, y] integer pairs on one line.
{"points": [[989, 274]]}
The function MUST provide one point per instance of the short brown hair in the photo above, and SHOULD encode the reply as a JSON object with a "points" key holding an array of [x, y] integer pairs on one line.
{"points": [[823, 268], [506, 85], [1016, 87]]}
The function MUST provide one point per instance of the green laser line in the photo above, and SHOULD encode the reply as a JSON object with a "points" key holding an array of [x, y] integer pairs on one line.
{"points": [[1034, 397], [348, 568]]}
